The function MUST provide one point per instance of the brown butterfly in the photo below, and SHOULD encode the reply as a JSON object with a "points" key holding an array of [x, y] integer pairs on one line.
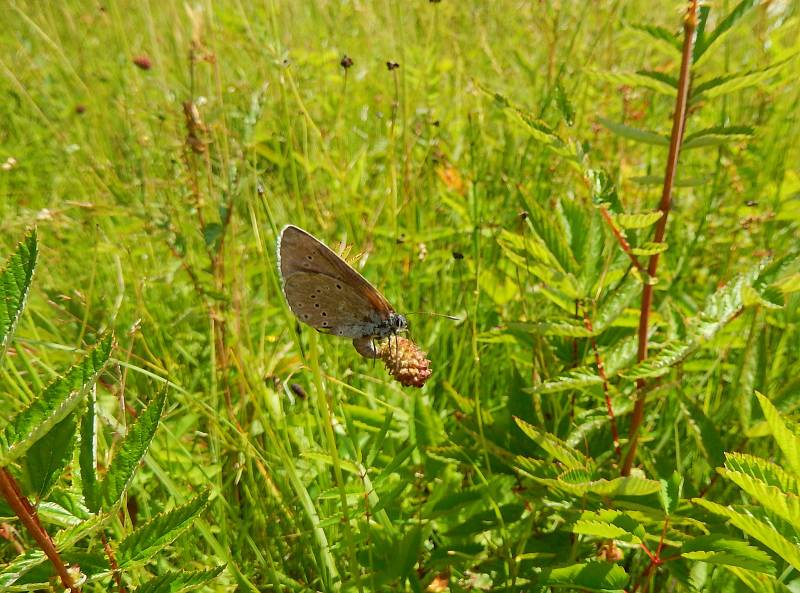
{"points": [[323, 291]]}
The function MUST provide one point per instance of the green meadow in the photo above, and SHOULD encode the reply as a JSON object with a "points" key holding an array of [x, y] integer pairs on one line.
{"points": [[589, 212]]}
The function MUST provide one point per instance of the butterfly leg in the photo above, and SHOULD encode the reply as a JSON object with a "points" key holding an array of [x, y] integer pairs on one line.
{"points": [[365, 347]]}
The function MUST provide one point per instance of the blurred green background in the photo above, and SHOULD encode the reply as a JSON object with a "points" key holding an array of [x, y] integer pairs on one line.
{"points": [[159, 147]]}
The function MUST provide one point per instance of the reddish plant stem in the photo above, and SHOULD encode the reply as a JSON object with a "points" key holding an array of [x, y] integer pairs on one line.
{"points": [[601, 370], [678, 124], [112, 561], [27, 515], [623, 242]]}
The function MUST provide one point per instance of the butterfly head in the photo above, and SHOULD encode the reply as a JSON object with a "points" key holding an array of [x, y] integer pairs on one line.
{"points": [[398, 322]]}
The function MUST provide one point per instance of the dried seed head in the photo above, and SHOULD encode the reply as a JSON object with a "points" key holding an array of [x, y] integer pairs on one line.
{"points": [[405, 361]]}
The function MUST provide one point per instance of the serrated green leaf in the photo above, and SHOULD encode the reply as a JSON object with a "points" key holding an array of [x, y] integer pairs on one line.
{"points": [[635, 134], [757, 529], [720, 308], [680, 182], [570, 457], [637, 80], [637, 220], [605, 531], [604, 577], [178, 581], [19, 567], [659, 364], [615, 303], [574, 379], [705, 432], [758, 582], [786, 506], [670, 493], [768, 472], [132, 450], [706, 41], [716, 136], [531, 255], [659, 34], [604, 192], [624, 486], [87, 456], [720, 549], [788, 441], [564, 105], [488, 520], [15, 283], [53, 405], [159, 532], [47, 457], [649, 248], [723, 85], [552, 233]]}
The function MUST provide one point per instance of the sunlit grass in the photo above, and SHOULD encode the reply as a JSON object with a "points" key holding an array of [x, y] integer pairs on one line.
{"points": [[324, 472]]}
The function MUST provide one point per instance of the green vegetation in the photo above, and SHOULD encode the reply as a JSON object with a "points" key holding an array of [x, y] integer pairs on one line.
{"points": [[613, 410]]}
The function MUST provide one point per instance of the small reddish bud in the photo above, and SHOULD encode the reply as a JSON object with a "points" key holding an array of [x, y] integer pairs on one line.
{"points": [[405, 361], [143, 62]]}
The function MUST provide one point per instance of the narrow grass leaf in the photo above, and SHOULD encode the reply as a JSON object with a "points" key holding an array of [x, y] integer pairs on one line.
{"points": [[721, 549], [159, 532], [788, 441], [593, 576], [179, 580], [133, 448], [53, 405], [15, 283]]}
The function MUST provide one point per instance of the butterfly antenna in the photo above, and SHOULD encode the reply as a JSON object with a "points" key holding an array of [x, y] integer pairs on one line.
{"points": [[430, 314]]}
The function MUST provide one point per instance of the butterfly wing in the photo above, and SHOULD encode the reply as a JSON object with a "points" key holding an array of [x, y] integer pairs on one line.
{"points": [[352, 306], [329, 305]]}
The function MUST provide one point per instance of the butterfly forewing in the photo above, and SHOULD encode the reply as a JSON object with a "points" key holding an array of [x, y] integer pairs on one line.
{"points": [[324, 291], [329, 305]]}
